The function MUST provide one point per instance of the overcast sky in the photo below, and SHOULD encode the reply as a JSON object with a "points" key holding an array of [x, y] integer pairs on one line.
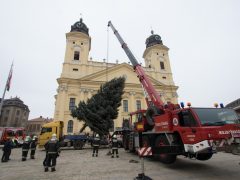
{"points": [[203, 37]]}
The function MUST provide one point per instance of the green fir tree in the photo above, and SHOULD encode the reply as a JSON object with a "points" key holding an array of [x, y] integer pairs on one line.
{"points": [[101, 109]]}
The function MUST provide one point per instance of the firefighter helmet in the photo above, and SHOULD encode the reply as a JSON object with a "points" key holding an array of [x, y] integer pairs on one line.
{"points": [[27, 138], [97, 135]]}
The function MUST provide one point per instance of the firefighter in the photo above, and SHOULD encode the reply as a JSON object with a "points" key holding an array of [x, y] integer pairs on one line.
{"points": [[7, 150], [114, 146], [96, 144], [52, 148], [33, 146], [25, 148]]}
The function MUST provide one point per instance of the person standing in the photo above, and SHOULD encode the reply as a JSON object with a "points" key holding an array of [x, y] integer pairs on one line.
{"points": [[25, 148], [33, 146], [52, 148], [96, 144], [7, 150], [114, 146]]}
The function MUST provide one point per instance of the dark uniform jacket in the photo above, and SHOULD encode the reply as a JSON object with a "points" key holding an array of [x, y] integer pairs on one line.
{"points": [[114, 143], [52, 146], [26, 145], [33, 144], [8, 146], [96, 141]]}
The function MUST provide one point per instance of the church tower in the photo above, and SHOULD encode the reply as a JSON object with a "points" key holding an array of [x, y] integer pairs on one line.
{"points": [[78, 45], [156, 58]]}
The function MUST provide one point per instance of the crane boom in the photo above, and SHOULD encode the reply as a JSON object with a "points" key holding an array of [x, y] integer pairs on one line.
{"points": [[152, 93]]}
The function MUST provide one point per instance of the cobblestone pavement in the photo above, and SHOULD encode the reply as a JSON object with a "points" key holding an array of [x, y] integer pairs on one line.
{"points": [[79, 165]]}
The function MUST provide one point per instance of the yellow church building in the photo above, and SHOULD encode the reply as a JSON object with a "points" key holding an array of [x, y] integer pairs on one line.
{"points": [[81, 77]]}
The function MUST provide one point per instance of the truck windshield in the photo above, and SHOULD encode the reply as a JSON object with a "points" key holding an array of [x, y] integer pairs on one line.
{"points": [[46, 129], [216, 117]]}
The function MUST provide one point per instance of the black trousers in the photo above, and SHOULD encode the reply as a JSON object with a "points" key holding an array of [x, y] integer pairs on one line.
{"points": [[24, 154], [32, 153], [5, 156], [95, 149], [114, 151], [51, 160]]}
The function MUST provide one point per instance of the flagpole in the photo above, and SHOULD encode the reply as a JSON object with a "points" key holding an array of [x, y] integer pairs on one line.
{"points": [[5, 89]]}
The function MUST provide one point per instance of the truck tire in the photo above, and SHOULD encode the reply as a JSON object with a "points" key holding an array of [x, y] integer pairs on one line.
{"points": [[204, 156], [164, 158], [78, 144]]}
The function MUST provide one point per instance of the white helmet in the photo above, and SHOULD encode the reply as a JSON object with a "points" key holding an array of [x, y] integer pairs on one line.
{"points": [[27, 138], [114, 136], [97, 135], [34, 137], [54, 135]]}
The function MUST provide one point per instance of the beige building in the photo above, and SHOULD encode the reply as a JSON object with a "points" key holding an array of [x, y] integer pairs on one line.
{"points": [[82, 76], [34, 125]]}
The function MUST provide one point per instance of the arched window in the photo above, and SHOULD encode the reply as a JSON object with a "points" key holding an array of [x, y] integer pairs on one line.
{"points": [[70, 126]]}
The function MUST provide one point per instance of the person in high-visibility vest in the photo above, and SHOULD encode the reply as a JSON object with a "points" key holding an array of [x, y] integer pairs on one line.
{"points": [[114, 146], [96, 144], [52, 148], [33, 146], [25, 148]]}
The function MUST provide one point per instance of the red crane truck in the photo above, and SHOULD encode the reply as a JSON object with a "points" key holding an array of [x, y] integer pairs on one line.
{"points": [[171, 130]]}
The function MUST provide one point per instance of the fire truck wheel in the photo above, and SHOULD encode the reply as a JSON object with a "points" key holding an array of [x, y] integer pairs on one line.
{"points": [[204, 156], [164, 158], [78, 144]]}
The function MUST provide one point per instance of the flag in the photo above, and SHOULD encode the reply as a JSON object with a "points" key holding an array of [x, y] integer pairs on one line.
{"points": [[9, 79]]}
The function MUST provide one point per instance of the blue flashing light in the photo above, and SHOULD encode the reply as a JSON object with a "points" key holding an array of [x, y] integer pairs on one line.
{"points": [[182, 105], [221, 105]]}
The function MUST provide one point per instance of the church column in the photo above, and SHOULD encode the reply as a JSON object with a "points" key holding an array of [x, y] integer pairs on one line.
{"points": [[62, 99], [132, 101]]}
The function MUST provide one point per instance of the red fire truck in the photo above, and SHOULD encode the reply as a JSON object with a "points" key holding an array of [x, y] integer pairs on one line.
{"points": [[172, 129], [16, 133]]}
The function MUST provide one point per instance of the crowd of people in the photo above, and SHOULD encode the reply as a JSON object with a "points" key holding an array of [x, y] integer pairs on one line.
{"points": [[52, 149]]}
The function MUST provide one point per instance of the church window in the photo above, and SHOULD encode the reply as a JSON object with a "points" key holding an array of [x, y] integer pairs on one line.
{"points": [[72, 103], [162, 65], [163, 54], [75, 69], [76, 55], [138, 104], [73, 42], [164, 77], [70, 126], [81, 43], [125, 105], [157, 53]]}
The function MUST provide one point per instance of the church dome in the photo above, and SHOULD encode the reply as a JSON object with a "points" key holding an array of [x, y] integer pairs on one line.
{"points": [[153, 40], [79, 26]]}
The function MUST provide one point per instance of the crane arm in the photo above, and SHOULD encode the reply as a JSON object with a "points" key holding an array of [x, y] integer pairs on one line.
{"points": [[152, 93]]}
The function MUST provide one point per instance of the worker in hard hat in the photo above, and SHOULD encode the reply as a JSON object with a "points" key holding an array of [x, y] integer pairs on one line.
{"points": [[95, 144], [33, 146], [114, 146], [52, 148], [25, 148]]}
